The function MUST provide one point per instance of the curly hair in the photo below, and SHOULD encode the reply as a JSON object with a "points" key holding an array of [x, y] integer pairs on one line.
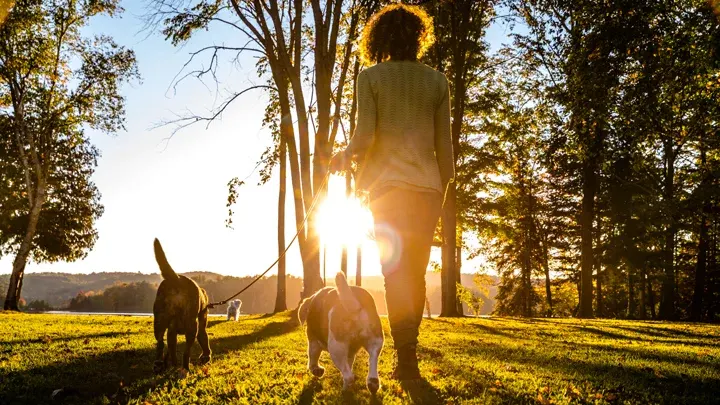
{"points": [[397, 32]]}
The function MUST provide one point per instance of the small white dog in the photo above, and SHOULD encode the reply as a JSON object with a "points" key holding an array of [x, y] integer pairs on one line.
{"points": [[233, 311], [341, 321]]}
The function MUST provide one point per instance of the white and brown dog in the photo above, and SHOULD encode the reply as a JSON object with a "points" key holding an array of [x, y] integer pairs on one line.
{"points": [[341, 321], [233, 311]]}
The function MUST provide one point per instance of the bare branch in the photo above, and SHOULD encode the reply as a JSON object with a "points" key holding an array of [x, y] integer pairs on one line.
{"points": [[191, 119]]}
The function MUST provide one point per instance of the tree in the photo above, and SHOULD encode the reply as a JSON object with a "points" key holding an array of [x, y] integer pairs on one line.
{"points": [[45, 105], [279, 34], [460, 53]]}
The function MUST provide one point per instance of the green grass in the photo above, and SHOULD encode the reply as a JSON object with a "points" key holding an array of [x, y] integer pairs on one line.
{"points": [[261, 359]]}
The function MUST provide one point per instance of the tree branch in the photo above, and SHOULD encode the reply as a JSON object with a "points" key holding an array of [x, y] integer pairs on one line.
{"points": [[184, 122]]}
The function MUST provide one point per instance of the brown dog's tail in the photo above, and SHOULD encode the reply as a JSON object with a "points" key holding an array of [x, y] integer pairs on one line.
{"points": [[167, 272], [347, 298], [304, 310]]}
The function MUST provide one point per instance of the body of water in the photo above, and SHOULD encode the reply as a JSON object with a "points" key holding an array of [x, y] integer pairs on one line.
{"points": [[113, 313]]}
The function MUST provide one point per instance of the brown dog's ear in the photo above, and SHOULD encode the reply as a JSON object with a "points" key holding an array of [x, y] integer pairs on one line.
{"points": [[304, 310]]}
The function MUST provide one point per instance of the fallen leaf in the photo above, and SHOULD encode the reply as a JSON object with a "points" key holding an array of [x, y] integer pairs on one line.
{"points": [[611, 396], [542, 400], [510, 368], [499, 384], [572, 392]]}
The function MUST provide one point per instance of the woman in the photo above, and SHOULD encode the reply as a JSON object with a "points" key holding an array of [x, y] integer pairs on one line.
{"points": [[403, 149]]}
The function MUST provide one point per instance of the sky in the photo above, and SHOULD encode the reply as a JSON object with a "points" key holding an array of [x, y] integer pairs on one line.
{"points": [[174, 186]]}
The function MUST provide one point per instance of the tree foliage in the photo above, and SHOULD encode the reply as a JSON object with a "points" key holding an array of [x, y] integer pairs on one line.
{"points": [[620, 131], [54, 83]]}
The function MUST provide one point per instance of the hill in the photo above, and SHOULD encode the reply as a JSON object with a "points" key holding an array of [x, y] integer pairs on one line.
{"points": [[59, 289]]}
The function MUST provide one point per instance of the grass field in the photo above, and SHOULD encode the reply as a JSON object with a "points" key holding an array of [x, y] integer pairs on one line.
{"points": [[261, 359]]}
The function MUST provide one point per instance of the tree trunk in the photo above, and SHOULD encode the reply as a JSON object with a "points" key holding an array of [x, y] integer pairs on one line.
{"points": [[599, 309], [587, 215], [18, 272], [281, 296], [548, 290], [632, 306], [358, 267], [668, 292], [651, 300], [288, 135], [642, 288], [427, 307], [344, 254], [696, 307], [458, 274], [449, 275]]}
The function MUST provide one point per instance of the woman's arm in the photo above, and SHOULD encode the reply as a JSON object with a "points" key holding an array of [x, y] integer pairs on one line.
{"points": [[364, 134], [443, 137]]}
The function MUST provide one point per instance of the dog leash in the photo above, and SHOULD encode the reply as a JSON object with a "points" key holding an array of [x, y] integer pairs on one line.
{"points": [[294, 238]]}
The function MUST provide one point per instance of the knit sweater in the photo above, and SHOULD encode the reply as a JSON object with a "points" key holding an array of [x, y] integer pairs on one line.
{"points": [[402, 137]]}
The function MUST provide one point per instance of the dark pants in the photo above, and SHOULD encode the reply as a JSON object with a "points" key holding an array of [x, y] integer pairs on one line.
{"points": [[404, 226]]}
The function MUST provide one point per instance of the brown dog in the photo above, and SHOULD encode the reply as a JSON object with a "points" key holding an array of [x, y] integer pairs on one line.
{"points": [[342, 320], [181, 307]]}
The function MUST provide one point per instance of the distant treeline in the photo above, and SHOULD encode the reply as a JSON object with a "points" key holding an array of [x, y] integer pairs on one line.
{"points": [[135, 292]]}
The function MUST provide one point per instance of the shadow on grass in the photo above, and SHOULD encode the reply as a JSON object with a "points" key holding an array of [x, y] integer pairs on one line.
{"points": [[49, 338], [307, 395], [636, 373], [223, 346], [117, 375], [421, 392], [638, 384], [662, 332], [484, 328], [213, 322], [603, 333]]}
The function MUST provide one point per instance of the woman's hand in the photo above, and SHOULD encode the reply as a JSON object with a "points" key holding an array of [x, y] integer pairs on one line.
{"points": [[339, 162]]}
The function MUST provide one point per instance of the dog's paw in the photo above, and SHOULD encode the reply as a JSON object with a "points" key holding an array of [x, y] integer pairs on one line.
{"points": [[348, 383], [204, 359], [158, 366], [318, 372], [373, 385]]}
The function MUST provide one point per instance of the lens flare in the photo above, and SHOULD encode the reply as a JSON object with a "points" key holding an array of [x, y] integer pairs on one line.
{"points": [[343, 220], [389, 246]]}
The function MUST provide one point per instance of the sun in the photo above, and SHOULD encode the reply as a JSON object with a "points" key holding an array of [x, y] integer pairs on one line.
{"points": [[342, 220]]}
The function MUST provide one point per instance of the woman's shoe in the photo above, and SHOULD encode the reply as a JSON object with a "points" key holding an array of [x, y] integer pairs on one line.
{"points": [[406, 367]]}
